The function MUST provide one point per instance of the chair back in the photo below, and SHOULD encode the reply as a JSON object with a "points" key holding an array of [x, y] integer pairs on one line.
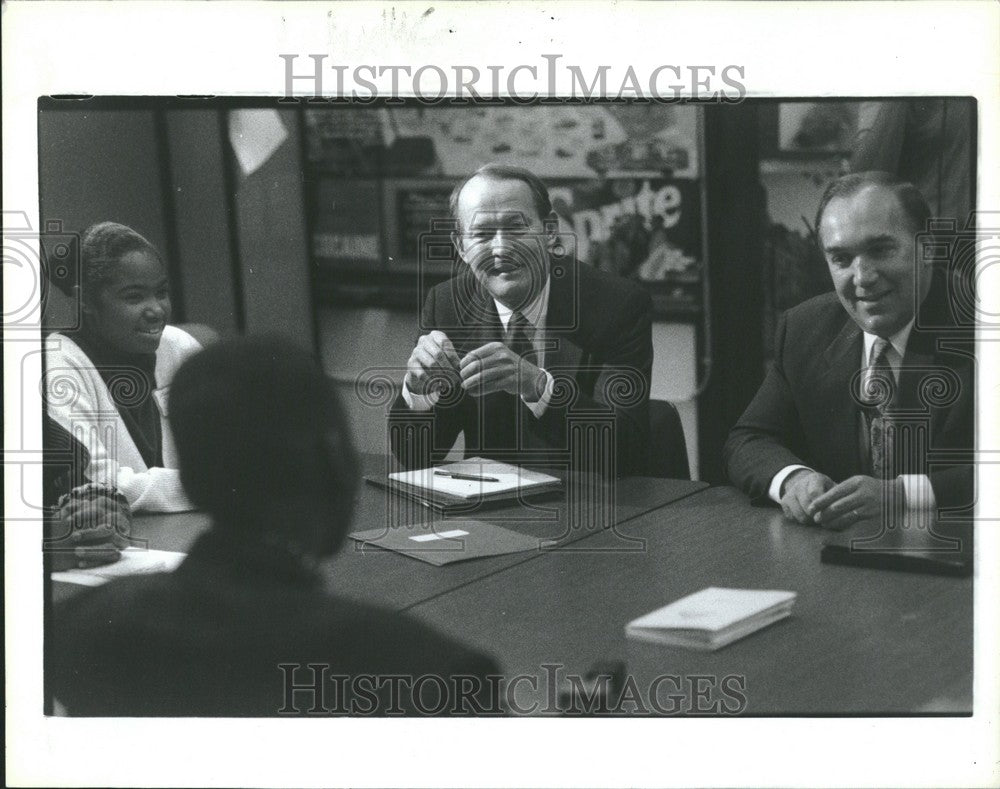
{"points": [[668, 457]]}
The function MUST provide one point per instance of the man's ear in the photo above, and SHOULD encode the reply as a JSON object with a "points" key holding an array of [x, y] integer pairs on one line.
{"points": [[456, 240], [552, 226]]}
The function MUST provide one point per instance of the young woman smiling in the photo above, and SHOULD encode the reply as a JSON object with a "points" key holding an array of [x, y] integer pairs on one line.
{"points": [[106, 383]]}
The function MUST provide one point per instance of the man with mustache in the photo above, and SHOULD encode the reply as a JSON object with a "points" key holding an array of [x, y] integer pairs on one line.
{"points": [[870, 398], [528, 353]]}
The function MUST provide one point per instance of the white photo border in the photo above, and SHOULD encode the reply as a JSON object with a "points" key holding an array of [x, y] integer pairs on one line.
{"points": [[787, 49]]}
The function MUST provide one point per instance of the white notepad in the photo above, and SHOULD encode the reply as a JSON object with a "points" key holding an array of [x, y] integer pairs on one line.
{"points": [[494, 480], [713, 617]]}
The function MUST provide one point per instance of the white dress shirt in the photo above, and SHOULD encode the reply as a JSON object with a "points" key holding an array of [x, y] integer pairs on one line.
{"points": [[536, 315], [917, 487]]}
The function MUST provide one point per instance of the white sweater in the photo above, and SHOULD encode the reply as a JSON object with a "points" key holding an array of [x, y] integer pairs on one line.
{"points": [[79, 400]]}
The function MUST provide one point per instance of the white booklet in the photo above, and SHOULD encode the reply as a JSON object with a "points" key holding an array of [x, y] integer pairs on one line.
{"points": [[713, 617]]}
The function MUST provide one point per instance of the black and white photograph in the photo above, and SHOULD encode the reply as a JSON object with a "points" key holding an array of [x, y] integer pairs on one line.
{"points": [[388, 392]]}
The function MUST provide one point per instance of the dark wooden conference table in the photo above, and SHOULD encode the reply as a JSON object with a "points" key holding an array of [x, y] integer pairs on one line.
{"points": [[859, 641]]}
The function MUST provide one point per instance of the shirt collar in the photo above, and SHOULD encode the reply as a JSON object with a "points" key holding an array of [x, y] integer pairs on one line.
{"points": [[535, 313], [897, 341]]}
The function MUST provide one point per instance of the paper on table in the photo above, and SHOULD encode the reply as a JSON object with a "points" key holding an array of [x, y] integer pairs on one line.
{"points": [[451, 534], [134, 561], [713, 609], [508, 478]]}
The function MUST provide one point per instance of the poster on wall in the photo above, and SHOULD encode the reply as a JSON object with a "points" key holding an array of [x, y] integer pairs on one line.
{"points": [[553, 141], [646, 229], [624, 179], [346, 230]]}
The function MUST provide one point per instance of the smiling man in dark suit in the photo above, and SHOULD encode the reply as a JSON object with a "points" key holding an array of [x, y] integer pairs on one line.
{"points": [[864, 404], [534, 357]]}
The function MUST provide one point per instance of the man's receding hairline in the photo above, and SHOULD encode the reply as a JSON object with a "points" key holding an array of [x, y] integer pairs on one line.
{"points": [[497, 179], [907, 219]]}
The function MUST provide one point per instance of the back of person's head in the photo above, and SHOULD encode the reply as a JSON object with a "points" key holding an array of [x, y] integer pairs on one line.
{"points": [[911, 200], [262, 443]]}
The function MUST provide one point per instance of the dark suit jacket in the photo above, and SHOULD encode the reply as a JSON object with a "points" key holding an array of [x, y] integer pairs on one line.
{"points": [[208, 639], [805, 413], [599, 351]]}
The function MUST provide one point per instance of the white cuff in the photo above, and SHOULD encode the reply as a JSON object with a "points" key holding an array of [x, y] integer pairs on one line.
{"points": [[416, 402], [774, 491], [538, 407], [918, 491]]}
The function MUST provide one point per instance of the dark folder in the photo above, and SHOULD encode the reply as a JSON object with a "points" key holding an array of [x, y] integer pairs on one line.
{"points": [[444, 542], [943, 549]]}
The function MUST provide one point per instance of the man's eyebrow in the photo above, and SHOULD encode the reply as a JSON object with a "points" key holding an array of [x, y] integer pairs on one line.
{"points": [[885, 238], [498, 218]]}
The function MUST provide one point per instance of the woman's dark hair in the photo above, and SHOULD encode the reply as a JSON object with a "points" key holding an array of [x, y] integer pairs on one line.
{"points": [[102, 246], [506, 172], [256, 421]]}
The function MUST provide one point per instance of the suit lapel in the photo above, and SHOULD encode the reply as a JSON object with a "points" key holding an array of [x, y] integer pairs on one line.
{"points": [[562, 324], [919, 357], [835, 398]]}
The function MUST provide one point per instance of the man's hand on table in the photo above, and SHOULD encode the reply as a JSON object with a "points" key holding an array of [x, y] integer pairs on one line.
{"points": [[800, 491], [859, 498]]}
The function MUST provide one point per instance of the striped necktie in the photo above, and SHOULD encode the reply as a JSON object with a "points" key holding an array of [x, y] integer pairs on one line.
{"points": [[880, 388]]}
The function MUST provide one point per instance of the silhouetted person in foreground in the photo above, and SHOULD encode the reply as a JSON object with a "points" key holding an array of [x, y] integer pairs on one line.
{"points": [[264, 449]]}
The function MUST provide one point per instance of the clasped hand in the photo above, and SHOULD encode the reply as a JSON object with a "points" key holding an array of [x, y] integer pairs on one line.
{"points": [[490, 368], [98, 531], [811, 497]]}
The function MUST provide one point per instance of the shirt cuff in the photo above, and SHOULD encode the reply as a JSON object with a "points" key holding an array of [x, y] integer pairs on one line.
{"points": [[539, 406], [774, 491], [918, 492], [416, 402]]}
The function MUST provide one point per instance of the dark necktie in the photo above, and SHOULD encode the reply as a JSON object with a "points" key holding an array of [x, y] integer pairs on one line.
{"points": [[880, 388], [502, 420], [517, 338]]}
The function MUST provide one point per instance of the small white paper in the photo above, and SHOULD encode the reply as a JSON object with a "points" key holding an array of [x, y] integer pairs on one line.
{"points": [[443, 535]]}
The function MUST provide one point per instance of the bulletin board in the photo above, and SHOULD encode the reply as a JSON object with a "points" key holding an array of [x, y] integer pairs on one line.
{"points": [[625, 180]]}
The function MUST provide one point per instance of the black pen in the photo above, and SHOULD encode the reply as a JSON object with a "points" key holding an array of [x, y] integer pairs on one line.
{"points": [[468, 477]]}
